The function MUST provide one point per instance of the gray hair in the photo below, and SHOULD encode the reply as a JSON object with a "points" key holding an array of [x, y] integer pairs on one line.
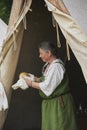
{"points": [[47, 45]]}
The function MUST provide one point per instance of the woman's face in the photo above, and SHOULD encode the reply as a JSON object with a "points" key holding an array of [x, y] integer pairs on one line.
{"points": [[44, 55]]}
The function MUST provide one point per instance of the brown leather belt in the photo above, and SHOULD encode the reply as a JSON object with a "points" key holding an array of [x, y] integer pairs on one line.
{"points": [[60, 98], [61, 101]]}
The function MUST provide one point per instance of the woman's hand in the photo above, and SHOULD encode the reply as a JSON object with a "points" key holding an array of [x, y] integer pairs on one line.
{"points": [[29, 82], [29, 75]]}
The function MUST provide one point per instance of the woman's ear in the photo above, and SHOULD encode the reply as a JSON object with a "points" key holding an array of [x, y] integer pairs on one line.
{"points": [[49, 53]]}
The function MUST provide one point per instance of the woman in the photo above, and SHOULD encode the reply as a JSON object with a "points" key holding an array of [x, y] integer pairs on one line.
{"points": [[58, 112]]}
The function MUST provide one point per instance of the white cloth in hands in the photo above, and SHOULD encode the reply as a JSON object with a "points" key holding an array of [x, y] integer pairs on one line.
{"points": [[21, 83]]}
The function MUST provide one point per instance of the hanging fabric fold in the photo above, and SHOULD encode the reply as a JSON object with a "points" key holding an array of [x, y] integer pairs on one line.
{"points": [[67, 47], [14, 40], [6, 47], [3, 97], [58, 37], [25, 22], [77, 39], [24, 18], [55, 25]]}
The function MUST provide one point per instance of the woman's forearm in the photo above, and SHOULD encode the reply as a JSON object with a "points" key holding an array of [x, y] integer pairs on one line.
{"points": [[32, 84], [37, 79], [35, 85]]}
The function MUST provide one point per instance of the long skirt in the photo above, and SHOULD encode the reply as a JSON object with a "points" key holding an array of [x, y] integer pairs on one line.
{"points": [[56, 117]]}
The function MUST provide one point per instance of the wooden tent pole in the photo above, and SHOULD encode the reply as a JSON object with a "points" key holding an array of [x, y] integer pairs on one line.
{"points": [[15, 11]]}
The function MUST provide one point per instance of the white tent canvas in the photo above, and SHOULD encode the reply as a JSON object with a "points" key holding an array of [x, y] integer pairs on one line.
{"points": [[78, 9], [3, 30], [71, 28]]}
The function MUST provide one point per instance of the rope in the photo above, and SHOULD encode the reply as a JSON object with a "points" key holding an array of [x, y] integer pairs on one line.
{"points": [[14, 40], [55, 24], [58, 38], [67, 47], [53, 21], [24, 18], [25, 22]]}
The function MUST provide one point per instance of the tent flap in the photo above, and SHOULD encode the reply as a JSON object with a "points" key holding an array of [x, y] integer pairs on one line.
{"points": [[73, 32], [76, 38], [9, 57]]}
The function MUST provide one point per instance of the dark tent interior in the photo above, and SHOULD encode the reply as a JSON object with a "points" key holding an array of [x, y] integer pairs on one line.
{"points": [[25, 107]]}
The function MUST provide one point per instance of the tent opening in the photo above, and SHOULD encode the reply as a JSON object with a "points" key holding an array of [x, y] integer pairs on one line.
{"points": [[25, 107]]}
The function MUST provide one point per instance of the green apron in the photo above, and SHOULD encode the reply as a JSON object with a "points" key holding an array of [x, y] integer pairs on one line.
{"points": [[58, 114]]}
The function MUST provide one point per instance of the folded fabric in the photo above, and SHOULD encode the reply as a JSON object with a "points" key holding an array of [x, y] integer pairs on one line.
{"points": [[3, 98], [21, 83]]}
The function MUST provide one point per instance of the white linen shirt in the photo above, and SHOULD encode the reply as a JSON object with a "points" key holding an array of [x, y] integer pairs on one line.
{"points": [[53, 77]]}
